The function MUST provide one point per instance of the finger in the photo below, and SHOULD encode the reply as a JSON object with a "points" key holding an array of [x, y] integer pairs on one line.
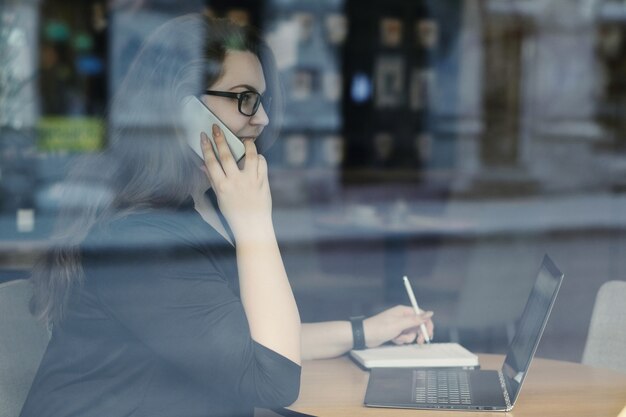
{"points": [[407, 310], [426, 330], [414, 320], [431, 328], [408, 337], [213, 167], [251, 157], [204, 169], [229, 165], [262, 167], [412, 337]]}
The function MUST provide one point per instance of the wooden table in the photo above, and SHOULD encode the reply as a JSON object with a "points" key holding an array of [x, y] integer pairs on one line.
{"points": [[336, 387]]}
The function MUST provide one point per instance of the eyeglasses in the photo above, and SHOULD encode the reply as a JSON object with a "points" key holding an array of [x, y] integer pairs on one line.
{"points": [[248, 101]]}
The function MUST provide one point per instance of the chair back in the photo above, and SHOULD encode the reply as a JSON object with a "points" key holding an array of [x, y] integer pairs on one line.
{"points": [[23, 341], [606, 341]]}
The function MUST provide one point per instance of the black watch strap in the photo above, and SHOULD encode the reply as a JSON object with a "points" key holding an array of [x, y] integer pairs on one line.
{"points": [[358, 335]]}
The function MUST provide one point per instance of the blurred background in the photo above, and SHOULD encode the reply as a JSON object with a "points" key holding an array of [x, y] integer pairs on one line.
{"points": [[451, 141]]}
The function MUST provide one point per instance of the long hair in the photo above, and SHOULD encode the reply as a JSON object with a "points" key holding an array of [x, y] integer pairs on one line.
{"points": [[147, 164]]}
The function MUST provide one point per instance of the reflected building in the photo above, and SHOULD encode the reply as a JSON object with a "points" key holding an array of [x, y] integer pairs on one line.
{"points": [[19, 110], [395, 108], [530, 88]]}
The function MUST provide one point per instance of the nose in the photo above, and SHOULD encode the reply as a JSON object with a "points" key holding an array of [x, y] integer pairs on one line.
{"points": [[260, 118]]}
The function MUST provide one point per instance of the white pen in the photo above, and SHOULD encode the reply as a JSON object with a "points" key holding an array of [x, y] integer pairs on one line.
{"points": [[409, 291]]}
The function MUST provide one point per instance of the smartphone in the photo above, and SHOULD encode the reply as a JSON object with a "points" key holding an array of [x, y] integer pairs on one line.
{"points": [[198, 118]]}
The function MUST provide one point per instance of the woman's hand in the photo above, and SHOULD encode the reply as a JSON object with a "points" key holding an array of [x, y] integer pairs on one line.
{"points": [[243, 194], [398, 324]]}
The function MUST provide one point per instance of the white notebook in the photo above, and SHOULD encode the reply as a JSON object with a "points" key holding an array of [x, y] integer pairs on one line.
{"points": [[407, 356]]}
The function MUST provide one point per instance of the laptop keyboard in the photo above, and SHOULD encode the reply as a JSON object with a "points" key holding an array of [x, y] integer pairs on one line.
{"points": [[441, 387]]}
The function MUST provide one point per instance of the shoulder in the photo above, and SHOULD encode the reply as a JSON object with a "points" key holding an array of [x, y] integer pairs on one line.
{"points": [[145, 230], [157, 223]]}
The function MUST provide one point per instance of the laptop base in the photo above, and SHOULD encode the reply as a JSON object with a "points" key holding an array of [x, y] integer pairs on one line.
{"points": [[387, 389]]}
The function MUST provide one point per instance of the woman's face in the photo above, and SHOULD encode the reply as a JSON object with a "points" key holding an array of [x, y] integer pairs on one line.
{"points": [[242, 71]]}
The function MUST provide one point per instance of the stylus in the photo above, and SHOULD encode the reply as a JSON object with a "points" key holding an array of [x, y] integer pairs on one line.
{"points": [[409, 291]]}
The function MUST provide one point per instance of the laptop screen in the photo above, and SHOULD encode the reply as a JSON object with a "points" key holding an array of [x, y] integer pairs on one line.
{"points": [[531, 325]]}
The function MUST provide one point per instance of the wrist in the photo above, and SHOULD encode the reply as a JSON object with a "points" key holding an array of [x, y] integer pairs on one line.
{"points": [[256, 229]]}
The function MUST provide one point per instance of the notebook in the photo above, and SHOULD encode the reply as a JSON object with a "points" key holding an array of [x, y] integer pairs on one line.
{"points": [[457, 389], [410, 356]]}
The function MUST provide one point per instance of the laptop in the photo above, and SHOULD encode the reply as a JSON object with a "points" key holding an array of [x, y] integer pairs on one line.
{"points": [[458, 389]]}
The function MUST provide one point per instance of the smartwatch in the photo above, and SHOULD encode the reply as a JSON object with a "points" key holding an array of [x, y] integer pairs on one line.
{"points": [[358, 335]]}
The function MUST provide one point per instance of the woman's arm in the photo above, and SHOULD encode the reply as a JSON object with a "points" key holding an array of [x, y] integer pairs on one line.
{"points": [[245, 201], [266, 294], [329, 339], [326, 339]]}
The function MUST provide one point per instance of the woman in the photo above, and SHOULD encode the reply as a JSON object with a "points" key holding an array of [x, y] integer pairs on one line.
{"points": [[167, 299]]}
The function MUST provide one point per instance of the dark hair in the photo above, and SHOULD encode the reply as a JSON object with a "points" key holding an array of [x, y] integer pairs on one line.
{"points": [[147, 164]]}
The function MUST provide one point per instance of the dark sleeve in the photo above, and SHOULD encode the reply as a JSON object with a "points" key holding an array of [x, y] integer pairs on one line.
{"points": [[174, 300]]}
